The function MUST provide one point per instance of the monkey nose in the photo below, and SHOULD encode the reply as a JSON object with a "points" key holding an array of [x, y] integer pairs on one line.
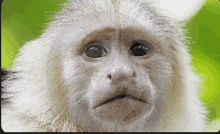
{"points": [[120, 74]]}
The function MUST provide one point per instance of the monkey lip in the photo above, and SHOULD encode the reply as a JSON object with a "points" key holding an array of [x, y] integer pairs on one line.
{"points": [[121, 96]]}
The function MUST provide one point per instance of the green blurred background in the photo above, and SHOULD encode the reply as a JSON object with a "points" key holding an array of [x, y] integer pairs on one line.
{"points": [[24, 20]]}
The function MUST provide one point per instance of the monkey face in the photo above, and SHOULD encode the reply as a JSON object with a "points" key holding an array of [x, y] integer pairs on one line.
{"points": [[123, 76], [120, 98]]}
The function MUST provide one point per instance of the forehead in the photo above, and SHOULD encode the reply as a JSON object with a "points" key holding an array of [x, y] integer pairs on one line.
{"points": [[121, 35]]}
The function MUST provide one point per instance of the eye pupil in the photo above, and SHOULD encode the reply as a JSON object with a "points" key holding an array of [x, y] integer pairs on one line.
{"points": [[95, 51], [139, 49]]}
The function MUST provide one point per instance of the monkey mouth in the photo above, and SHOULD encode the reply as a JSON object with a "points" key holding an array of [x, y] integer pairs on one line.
{"points": [[121, 96]]}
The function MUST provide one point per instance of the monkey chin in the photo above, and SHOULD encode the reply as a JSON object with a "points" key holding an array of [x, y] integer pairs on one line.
{"points": [[121, 110]]}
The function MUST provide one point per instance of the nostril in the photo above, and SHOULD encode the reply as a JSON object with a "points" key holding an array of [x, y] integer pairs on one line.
{"points": [[134, 74], [109, 76]]}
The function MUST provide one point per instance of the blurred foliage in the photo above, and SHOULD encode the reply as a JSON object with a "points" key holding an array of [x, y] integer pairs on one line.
{"points": [[24, 20], [204, 31]]}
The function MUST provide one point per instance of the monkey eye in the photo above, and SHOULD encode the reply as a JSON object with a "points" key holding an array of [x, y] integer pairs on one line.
{"points": [[95, 50], [139, 48]]}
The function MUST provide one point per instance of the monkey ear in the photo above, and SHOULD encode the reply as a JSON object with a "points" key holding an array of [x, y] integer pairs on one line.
{"points": [[181, 9]]}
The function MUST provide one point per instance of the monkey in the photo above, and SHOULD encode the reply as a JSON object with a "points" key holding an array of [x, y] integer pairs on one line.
{"points": [[105, 66]]}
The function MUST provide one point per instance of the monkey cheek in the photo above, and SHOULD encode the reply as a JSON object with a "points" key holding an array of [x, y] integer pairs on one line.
{"points": [[121, 111]]}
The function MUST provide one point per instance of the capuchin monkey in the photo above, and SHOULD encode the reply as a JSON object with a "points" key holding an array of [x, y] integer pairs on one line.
{"points": [[106, 65]]}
